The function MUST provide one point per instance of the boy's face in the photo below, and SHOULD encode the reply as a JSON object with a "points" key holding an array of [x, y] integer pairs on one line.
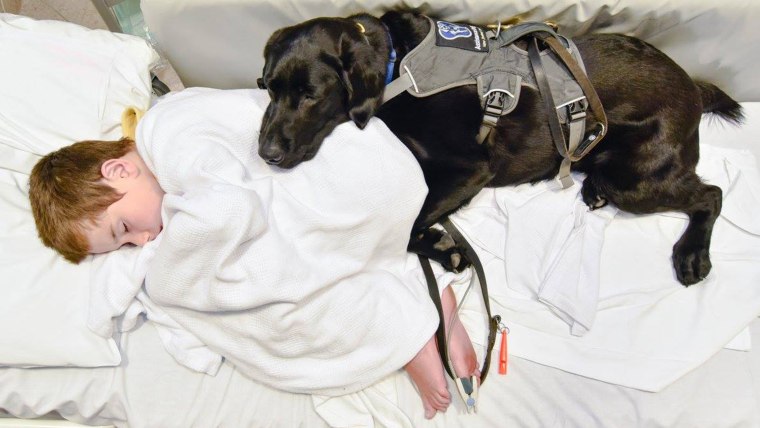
{"points": [[135, 219]]}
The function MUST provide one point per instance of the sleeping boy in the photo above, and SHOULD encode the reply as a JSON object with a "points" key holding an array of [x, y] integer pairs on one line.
{"points": [[299, 277]]}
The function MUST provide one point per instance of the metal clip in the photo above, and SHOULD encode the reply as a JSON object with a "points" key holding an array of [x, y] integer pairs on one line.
{"points": [[468, 390], [509, 22], [598, 132], [553, 24]]}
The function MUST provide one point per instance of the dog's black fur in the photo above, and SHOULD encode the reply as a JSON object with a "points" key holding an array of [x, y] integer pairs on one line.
{"points": [[323, 72]]}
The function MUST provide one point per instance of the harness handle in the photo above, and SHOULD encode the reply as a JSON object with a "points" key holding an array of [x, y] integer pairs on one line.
{"points": [[580, 76]]}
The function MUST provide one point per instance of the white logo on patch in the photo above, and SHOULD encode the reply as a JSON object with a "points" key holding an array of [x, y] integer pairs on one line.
{"points": [[451, 31]]}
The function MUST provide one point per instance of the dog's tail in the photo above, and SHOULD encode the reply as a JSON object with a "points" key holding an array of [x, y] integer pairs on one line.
{"points": [[715, 101]]}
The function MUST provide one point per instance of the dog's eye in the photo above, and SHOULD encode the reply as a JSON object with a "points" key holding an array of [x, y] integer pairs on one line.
{"points": [[305, 93]]}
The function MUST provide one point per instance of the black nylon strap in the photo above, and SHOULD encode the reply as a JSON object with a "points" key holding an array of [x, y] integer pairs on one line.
{"points": [[440, 334], [493, 323], [546, 93]]}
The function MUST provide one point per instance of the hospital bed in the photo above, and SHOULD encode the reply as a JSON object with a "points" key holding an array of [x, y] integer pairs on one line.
{"points": [[655, 354]]}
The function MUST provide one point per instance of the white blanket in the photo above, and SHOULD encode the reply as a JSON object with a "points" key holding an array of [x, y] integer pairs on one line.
{"points": [[619, 316], [298, 277]]}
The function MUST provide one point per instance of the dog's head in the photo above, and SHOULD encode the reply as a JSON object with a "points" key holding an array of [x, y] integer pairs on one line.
{"points": [[319, 74]]}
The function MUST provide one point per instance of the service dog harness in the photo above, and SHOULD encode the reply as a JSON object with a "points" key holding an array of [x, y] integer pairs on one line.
{"points": [[453, 55]]}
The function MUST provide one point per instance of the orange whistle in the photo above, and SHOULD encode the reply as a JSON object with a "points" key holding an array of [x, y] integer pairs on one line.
{"points": [[503, 353]]}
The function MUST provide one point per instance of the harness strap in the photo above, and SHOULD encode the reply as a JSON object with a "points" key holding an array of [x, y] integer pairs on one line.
{"points": [[595, 103], [504, 38], [512, 32], [485, 130], [397, 86], [493, 110], [576, 122], [574, 149], [555, 127], [493, 321]]}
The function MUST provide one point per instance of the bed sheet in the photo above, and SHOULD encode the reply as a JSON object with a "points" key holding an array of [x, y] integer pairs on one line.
{"points": [[151, 390]]}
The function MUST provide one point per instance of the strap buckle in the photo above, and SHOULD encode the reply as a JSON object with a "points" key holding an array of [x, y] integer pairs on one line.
{"points": [[576, 110], [575, 118], [496, 101]]}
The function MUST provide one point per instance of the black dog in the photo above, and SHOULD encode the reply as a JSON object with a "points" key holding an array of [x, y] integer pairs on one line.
{"points": [[326, 71]]}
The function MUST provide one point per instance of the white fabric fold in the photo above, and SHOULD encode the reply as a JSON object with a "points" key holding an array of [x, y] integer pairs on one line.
{"points": [[550, 244], [571, 285], [299, 277], [648, 330]]}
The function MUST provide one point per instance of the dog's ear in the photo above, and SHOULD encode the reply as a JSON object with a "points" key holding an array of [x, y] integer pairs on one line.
{"points": [[363, 75], [364, 95]]}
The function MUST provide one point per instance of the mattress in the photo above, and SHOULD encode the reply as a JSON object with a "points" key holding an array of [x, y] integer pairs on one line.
{"points": [[150, 390]]}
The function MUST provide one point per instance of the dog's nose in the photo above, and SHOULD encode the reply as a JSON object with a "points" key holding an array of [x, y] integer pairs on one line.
{"points": [[274, 161], [272, 154]]}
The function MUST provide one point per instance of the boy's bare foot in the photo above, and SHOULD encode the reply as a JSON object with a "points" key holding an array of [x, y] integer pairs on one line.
{"points": [[426, 368], [461, 353], [426, 371]]}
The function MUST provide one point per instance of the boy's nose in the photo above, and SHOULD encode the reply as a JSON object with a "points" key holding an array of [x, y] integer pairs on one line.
{"points": [[142, 239]]}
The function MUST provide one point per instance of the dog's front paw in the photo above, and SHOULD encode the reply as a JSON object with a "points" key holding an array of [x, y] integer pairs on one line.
{"points": [[691, 262], [440, 246], [455, 262], [451, 257]]}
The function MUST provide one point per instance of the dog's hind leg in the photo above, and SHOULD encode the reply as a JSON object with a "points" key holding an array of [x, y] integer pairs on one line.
{"points": [[691, 254], [688, 194], [592, 194]]}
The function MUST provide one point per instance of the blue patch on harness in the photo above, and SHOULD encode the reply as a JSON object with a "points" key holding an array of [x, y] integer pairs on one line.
{"points": [[460, 36], [451, 31]]}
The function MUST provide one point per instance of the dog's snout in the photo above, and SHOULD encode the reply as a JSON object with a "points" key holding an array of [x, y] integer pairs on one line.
{"points": [[274, 160], [272, 154]]}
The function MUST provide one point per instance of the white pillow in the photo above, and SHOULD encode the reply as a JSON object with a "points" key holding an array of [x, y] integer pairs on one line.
{"points": [[59, 83]]}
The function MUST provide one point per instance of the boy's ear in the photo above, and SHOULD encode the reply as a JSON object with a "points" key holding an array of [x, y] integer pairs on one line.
{"points": [[117, 169]]}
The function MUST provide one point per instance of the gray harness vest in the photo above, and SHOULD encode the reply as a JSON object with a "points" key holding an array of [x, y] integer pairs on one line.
{"points": [[453, 55]]}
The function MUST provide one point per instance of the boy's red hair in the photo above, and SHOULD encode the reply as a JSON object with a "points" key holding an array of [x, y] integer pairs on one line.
{"points": [[66, 189]]}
